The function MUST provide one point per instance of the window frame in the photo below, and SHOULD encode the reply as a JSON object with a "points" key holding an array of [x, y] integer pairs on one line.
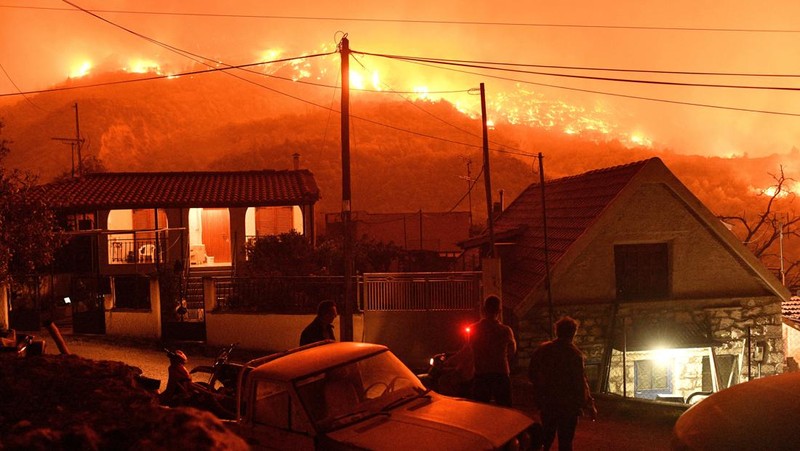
{"points": [[643, 270]]}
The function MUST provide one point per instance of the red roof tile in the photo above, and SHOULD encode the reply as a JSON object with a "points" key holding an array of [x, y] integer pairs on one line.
{"points": [[573, 204], [112, 190]]}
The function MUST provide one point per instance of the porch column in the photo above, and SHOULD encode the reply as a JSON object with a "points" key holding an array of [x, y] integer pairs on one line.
{"points": [[4, 323], [238, 236], [155, 303], [308, 224]]}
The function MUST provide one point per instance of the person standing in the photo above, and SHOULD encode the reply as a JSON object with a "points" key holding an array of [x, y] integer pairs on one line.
{"points": [[321, 328], [560, 386], [493, 345]]}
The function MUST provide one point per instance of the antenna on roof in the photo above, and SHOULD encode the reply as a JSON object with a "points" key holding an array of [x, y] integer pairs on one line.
{"points": [[75, 143]]}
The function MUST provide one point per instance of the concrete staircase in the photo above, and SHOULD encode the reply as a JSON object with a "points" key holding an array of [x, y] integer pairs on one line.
{"points": [[194, 284]]}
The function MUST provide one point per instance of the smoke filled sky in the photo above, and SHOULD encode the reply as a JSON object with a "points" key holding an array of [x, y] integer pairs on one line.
{"points": [[43, 42]]}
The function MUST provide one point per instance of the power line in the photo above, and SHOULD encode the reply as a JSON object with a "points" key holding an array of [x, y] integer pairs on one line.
{"points": [[576, 76], [428, 21], [597, 69], [17, 88], [613, 94]]}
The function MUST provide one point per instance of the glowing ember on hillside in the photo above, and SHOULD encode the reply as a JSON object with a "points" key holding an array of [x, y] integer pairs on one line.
{"points": [[80, 69], [142, 66]]}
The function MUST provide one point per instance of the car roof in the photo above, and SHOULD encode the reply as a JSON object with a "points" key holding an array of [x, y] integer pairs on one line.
{"points": [[304, 362]]}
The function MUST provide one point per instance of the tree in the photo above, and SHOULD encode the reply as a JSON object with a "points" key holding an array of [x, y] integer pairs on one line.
{"points": [[29, 236], [762, 233], [291, 254]]}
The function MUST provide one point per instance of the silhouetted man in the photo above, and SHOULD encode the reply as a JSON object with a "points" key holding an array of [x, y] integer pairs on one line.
{"points": [[493, 345], [321, 328], [560, 387]]}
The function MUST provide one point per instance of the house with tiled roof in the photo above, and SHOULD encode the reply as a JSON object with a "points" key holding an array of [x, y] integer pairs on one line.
{"points": [[670, 302], [129, 229], [791, 333]]}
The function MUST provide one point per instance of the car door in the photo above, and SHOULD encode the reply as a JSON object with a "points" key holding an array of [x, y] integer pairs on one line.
{"points": [[278, 420]]}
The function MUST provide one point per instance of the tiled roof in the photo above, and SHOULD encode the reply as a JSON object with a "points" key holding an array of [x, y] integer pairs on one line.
{"points": [[183, 189], [573, 204], [791, 309]]}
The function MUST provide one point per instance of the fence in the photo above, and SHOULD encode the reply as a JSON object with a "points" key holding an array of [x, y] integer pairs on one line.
{"points": [[422, 291]]}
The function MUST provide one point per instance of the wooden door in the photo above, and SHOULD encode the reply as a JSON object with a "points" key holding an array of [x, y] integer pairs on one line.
{"points": [[217, 234]]}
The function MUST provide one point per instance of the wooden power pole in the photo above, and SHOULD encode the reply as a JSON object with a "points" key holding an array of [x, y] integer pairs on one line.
{"points": [[347, 245]]}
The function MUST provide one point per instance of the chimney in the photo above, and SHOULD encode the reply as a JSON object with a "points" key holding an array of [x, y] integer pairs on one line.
{"points": [[296, 160], [499, 206]]}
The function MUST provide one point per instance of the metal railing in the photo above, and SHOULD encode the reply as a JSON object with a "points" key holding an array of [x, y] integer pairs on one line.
{"points": [[130, 248], [422, 291]]}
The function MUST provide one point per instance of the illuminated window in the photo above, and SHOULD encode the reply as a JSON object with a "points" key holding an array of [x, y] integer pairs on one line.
{"points": [[642, 271], [652, 378]]}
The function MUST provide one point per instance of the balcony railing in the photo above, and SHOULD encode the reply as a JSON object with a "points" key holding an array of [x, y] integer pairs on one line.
{"points": [[131, 248]]}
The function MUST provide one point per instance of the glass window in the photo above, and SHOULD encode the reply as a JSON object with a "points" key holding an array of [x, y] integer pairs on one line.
{"points": [[274, 406], [651, 376]]}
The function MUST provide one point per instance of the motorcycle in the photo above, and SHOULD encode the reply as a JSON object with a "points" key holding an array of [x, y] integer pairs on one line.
{"points": [[222, 375], [449, 374], [181, 391]]}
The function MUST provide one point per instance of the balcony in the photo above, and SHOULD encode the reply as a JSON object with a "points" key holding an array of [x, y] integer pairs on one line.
{"points": [[133, 248]]}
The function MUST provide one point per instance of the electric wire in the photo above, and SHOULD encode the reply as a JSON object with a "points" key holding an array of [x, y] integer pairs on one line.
{"points": [[428, 21], [601, 69], [11, 80], [613, 94], [581, 77]]}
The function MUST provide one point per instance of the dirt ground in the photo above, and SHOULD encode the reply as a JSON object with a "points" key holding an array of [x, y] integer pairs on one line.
{"points": [[54, 402]]}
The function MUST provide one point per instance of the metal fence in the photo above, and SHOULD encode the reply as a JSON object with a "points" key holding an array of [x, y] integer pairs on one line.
{"points": [[281, 294], [422, 291]]}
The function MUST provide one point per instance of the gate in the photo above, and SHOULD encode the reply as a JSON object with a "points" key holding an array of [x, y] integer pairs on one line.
{"points": [[26, 302], [88, 306], [420, 314]]}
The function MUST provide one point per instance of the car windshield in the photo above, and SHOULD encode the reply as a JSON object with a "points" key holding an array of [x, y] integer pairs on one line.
{"points": [[361, 389]]}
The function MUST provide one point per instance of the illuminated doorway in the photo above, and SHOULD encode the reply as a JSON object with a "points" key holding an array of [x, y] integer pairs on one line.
{"points": [[209, 237]]}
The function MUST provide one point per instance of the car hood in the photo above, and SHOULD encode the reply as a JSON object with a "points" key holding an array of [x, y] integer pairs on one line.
{"points": [[436, 422], [760, 414]]}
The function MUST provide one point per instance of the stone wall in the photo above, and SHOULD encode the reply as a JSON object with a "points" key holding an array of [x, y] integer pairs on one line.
{"points": [[726, 320]]}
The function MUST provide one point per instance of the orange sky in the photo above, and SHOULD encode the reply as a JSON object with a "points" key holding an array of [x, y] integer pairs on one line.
{"points": [[40, 47]]}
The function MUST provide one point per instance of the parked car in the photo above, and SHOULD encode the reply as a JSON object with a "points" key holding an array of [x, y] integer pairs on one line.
{"points": [[760, 414], [332, 395]]}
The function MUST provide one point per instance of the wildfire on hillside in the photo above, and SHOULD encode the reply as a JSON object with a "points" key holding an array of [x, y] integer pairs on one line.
{"points": [[519, 105]]}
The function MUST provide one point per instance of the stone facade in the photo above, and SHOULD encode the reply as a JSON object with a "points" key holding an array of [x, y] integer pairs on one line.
{"points": [[725, 321]]}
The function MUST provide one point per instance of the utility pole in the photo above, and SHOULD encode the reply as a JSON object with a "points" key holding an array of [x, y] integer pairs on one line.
{"points": [[486, 172], [347, 245], [469, 180], [780, 240], [75, 143], [546, 248]]}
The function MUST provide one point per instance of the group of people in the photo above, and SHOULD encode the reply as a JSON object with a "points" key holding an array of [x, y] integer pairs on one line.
{"points": [[556, 369]]}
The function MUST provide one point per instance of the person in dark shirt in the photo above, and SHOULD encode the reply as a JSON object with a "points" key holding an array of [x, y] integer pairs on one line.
{"points": [[493, 345], [560, 387], [321, 328]]}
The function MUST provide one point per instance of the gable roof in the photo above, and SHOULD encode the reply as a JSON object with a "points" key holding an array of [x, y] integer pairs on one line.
{"points": [[574, 205], [117, 190]]}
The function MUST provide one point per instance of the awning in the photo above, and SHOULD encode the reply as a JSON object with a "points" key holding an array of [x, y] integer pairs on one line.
{"points": [[645, 336]]}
